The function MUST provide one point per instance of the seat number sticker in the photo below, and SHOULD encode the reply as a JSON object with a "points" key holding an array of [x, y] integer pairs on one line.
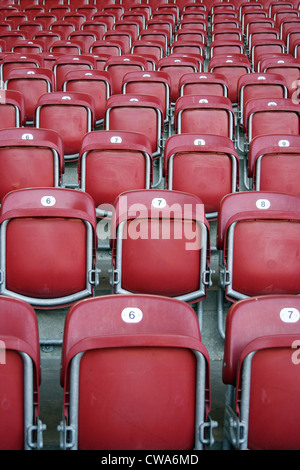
{"points": [[48, 201], [132, 315], [263, 204], [289, 315]]}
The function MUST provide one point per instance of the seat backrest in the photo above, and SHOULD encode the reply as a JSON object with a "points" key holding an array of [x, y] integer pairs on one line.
{"points": [[41, 263], [119, 66], [273, 163], [30, 157], [149, 333], [191, 160], [260, 229], [136, 113], [260, 85], [72, 115], [206, 115], [157, 224], [232, 67], [153, 83], [271, 116], [12, 109], [175, 67], [97, 83], [106, 163], [209, 83], [270, 339], [31, 83], [20, 373], [67, 62]]}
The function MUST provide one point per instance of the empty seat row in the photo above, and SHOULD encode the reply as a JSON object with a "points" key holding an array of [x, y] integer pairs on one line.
{"points": [[49, 237], [136, 375]]}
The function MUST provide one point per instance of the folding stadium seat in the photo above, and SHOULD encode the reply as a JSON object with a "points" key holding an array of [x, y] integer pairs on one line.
{"points": [[222, 46], [132, 416], [209, 83], [258, 239], [74, 17], [12, 109], [10, 37], [58, 9], [124, 38], [261, 47], [24, 46], [63, 28], [105, 17], [95, 26], [138, 113], [65, 46], [72, 115], [31, 83], [119, 66], [116, 10], [165, 25], [219, 25], [256, 86], [251, 16], [16, 60], [260, 33], [30, 28], [85, 38], [128, 25], [232, 66], [275, 116], [153, 83], [261, 374], [149, 48], [154, 36], [30, 158], [67, 62], [21, 427], [204, 165], [176, 66], [47, 37], [287, 66], [184, 46], [87, 10], [204, 115], [94, 82], [49, 241], [46, 18], [273, 163], [227, 34], [136, 15], [291, 35], [112, 162], [285, 15], [15, 18], [259, 21], [104, 46], [167, 232], [183, 34]]}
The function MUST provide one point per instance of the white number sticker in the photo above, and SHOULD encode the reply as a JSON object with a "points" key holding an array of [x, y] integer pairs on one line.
{"points": [[132, 315], [48, 201], [159, 202], [263, 204], [116, 139], [27, 137], [289, 315]]}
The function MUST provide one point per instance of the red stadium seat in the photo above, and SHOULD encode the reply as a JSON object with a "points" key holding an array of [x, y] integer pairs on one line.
{"points": [[116, 339], [71, 115], [167, 232], [261, 374], [204, 165], [273, 163], [12, 109], [30, 157], [20, 373], [112, 162], [258, 239], [204, 115], [49, 236]]}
